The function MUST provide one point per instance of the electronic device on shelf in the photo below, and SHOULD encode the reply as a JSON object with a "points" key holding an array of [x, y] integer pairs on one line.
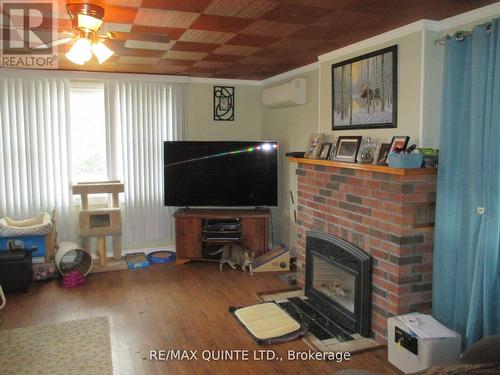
{"points": [[221, 173], [230, 225], [221, 230], [295, 154], [230, 237]]}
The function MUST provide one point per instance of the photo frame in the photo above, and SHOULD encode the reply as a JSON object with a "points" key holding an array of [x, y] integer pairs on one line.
{"points": [[399, 141], [314, 145], [383, 152], [364, 91], [347, 149], [325, 150], [223, 103]]}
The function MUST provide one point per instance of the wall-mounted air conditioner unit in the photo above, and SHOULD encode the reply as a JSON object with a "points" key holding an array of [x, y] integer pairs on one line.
{"points": [[288, 94]]}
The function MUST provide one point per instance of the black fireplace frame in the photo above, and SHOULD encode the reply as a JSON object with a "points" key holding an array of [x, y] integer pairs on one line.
{"points": [[352, 259]]}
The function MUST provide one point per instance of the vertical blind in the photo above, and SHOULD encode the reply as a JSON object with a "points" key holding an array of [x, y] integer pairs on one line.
{"points": [[142, 116], [34, 152]]}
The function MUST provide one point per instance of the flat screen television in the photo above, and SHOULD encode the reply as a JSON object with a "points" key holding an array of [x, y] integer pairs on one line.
{"points": [[220, 174]]}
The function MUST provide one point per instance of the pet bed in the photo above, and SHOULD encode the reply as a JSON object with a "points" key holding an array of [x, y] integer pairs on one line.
{"points": [[41, 224], [268, 323]]}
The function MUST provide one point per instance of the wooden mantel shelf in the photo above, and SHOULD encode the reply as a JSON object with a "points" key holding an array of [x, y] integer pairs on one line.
{"points": [[366, 167]]}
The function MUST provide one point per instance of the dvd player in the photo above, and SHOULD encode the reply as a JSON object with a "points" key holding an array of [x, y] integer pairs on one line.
{"points": [[221, 237], [222, 225]]}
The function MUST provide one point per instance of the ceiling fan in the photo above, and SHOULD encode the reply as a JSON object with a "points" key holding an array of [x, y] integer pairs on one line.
{"points": [[86, 19]]}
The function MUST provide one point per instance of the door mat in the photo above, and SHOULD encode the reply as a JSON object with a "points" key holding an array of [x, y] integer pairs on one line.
{"points": [[268, 323]]}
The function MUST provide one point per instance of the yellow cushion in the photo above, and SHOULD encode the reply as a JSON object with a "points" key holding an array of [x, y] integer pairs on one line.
{"points": [[266, 320]]}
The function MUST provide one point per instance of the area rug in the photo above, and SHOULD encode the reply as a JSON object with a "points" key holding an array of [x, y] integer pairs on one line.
{"points": [[73, 347]]}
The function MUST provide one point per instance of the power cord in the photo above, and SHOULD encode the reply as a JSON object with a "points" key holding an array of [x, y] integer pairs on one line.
{"points": [[272, 231], [2, 299]]}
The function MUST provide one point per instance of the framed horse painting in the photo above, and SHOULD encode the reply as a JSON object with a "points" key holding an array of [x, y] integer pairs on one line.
{"points": [[364, 91]]}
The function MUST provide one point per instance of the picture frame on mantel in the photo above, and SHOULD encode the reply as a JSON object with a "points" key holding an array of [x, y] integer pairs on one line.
{"points": [[364, 91], [314, 145], [383, 152], [325, 150], [399, 142], [346, 149]]}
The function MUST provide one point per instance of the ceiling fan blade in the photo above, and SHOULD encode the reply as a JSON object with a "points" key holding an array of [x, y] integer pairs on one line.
{"points": [[54, 43]]}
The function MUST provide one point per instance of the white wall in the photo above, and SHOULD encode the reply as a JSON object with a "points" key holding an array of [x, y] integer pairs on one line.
{"points": [[200, 125], [432, 57], [291, 126]]}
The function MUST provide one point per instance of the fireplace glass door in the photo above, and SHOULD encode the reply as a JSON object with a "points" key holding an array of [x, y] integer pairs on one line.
{"points": [[334, 282]]}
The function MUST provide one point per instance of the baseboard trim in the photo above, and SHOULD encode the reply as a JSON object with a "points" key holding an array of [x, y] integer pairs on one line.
{"points": [[148, 250]]}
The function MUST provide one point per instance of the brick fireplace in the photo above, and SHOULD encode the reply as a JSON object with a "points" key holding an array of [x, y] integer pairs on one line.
{"points": [[386, 212]]}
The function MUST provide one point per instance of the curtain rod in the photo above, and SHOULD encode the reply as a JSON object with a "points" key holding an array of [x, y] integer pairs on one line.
{"points": [[459, 35]]}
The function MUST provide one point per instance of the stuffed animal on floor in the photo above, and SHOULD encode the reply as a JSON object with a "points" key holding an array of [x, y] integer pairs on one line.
{"points": [[45, 272], [235, 254]]}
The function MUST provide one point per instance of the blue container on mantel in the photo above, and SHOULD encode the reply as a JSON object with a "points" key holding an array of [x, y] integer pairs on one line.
{"points": [[409, 161]]}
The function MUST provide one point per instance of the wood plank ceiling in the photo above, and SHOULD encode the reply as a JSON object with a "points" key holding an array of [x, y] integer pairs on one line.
{"points": [[244, 39]]}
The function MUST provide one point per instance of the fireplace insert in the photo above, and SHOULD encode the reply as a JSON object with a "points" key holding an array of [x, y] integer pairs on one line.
{"points": [[338, 279]]}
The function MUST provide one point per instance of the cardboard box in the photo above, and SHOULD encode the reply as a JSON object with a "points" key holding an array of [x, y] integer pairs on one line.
{"points": [[136, 260]]}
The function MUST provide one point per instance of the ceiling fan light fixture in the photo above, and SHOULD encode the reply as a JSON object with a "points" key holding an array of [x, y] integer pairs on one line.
{"points": [[80, 52], [89, 23], [86, 17], [101, 52]]}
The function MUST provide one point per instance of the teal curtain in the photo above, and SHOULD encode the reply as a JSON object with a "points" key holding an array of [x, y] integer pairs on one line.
{"points": [[466, 276]]}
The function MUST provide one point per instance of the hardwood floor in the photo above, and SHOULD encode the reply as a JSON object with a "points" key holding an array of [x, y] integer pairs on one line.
{"points": [[172, 307]]}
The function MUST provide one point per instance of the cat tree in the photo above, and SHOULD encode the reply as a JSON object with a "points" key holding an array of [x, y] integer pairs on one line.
{"points": [[101, 222]]}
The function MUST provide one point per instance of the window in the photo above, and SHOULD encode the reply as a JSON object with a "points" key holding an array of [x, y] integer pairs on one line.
{"points": [[88, 132]]}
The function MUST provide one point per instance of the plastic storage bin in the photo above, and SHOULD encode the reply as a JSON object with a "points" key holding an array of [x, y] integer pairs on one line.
{"points": [[36, 244], [413, 160], [412, 354]]}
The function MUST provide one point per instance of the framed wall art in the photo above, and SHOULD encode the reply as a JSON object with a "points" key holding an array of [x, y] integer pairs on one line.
{"points": [[364, 91], [223, 103]]}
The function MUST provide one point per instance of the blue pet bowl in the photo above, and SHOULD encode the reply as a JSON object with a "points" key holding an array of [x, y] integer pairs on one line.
{"points": [[413, 160], [161, 257]]}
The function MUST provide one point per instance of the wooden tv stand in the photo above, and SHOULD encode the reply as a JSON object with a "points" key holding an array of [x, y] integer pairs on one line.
{"points": [[192, 237]]}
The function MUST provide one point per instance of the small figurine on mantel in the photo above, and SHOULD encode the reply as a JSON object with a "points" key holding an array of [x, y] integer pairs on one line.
{"points": [[368, 151]]}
